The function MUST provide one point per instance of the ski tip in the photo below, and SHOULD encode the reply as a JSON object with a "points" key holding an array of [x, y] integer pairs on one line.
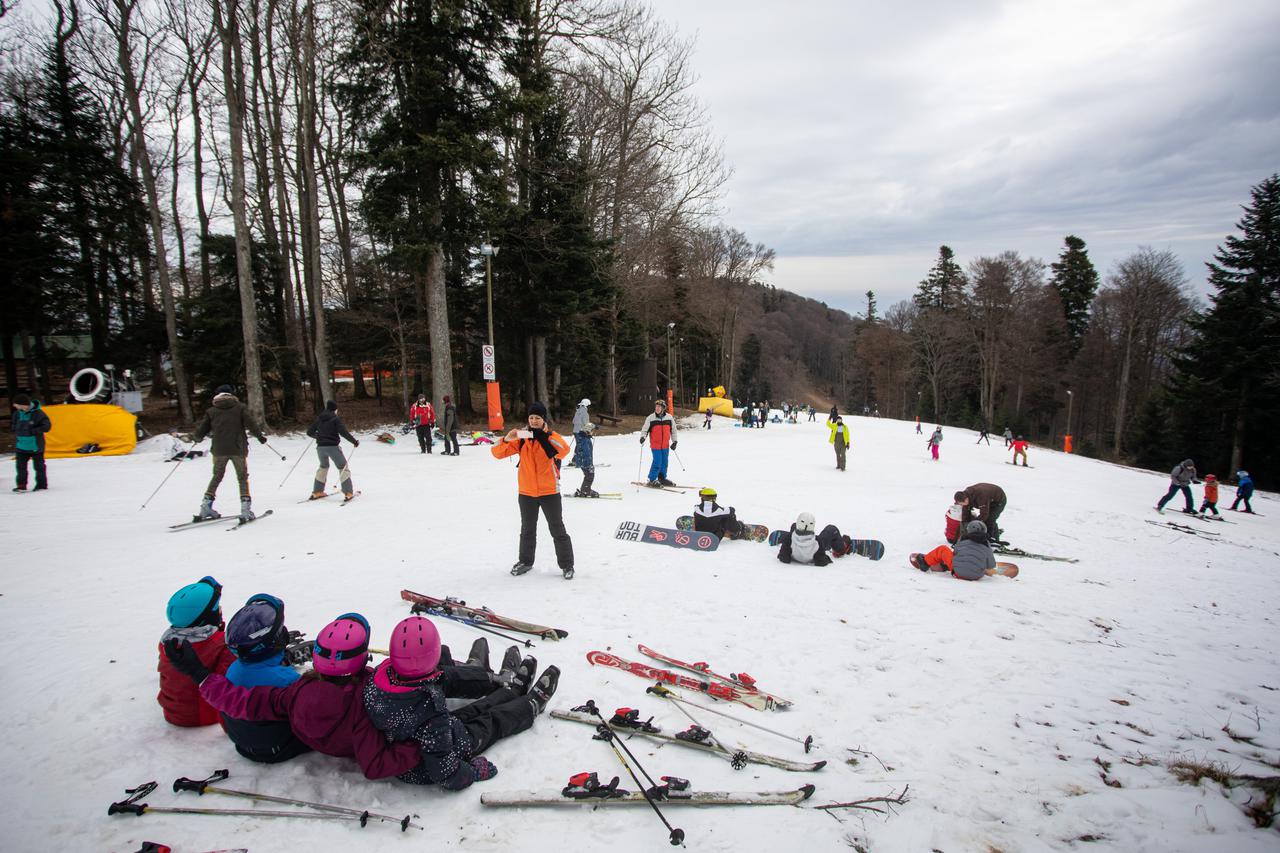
{"points": [[818, 765], [808, 790]]}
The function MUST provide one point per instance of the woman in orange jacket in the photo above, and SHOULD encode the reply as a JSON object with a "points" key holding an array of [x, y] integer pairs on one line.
{"points": [[540, 449]]}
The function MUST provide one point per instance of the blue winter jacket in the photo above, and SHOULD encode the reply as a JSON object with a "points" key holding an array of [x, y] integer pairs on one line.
{"points": [[1244, 489], [30, 427], [266, 742]]}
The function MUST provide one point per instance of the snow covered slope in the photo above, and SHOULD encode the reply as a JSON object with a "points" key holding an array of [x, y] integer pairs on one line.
{"points": [[1028, 714]]}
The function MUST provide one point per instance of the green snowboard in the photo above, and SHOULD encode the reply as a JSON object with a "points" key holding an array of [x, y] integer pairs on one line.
{"points": [[754, 532]]}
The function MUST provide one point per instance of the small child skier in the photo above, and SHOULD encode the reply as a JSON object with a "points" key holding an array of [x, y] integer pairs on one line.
{"points": [[195, 615], [710, 517], [257, 636], [969, 560], [405, 699], [1244, 491], [1210, 502], [800, 544], [934, 441]]}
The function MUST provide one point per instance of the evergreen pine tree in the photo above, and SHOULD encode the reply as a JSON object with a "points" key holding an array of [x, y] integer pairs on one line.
{"points": [[944, 286], [1232, 369], [1076, 281]]}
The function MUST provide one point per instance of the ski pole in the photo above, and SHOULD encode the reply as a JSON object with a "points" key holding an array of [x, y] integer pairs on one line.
{"points": [[736, 758], [295, 465], [273, 450], [172, 470], [607, 734], [659, 690], [422, 608], [677, 455], [131, 806], [640, 466], [203, 786]]}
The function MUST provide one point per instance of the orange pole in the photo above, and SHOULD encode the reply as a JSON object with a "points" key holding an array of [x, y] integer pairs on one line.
{"points": [[1066, 444], [670, 400], [494, 398]]}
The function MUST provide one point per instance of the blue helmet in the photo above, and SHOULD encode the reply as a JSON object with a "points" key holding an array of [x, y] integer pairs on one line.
{"points": [[198, 603], [257, 630]]}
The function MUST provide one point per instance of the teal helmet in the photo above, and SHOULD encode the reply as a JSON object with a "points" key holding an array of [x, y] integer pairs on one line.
{"points": [[198, 603]]}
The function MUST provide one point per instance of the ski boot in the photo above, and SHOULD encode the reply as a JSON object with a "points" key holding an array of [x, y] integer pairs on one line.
{"points": [[525, 673], [315, 496], [665, 482], [917, 560], [542, 691], [520, 567], [246, 510], [568, 573], [206, 510], [479, 655], [654, 484], [510, 664], [348, 497]]}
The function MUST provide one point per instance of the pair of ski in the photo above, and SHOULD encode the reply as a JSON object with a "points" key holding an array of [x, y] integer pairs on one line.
{"points": [[653, 732], [1211, 535], [736, 687], [614, 796], [679, 490], [460, 611], [330, 494], [1018, 552], [198, 522]]}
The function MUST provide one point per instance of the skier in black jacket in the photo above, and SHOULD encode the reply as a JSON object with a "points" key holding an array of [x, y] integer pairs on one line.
{"points": [[328, 430]]}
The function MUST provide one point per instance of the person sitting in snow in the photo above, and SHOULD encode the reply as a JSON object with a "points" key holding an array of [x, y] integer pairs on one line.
{"points": [[800, 544], [969, 560], [195, 615], [405, 701], [834, 542], [710, 517], [257, 636]]}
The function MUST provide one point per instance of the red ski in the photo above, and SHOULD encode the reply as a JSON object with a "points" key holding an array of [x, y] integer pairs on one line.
{"points": [[479, 615], [714, 689], [740, 680]]}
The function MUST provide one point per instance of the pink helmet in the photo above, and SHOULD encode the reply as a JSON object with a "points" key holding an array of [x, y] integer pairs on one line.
{"points": [[342, 646], [415, 647]]}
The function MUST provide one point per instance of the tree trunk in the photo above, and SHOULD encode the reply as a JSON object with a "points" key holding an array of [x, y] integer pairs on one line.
{"points": [[124, 53], [1122, 393], [311, 204], [540, 368], [438, 324], [1238, 434], [234, 91]]}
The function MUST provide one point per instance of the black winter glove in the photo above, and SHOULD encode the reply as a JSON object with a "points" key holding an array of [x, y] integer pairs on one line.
{"points": [[262, 439], [673, 444], [185, 660], [355, 443], [642, 439]]}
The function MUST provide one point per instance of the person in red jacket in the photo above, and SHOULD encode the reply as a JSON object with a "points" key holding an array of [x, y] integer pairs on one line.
{"points": [[423, 418], [195, 615], [1020, 449], [540, 449]]}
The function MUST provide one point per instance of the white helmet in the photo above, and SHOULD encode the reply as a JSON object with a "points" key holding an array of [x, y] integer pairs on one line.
{"points": [[585, 402], [805, 523]]}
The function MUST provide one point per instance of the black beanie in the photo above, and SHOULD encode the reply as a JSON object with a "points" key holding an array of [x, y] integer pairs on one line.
{"points": [[331, 406], [538, 408], [21, 400], [224, 389]]}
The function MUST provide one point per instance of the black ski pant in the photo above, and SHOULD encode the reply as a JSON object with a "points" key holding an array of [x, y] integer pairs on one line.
{"points": [[552, 510], [1209, 506], [1236, 502], [424, 438], [451, 442], [990, 518], [502, 713], [1174, 488], [37, 462]]}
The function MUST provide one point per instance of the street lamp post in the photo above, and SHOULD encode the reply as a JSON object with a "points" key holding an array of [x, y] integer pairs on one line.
{"points": [[1066, 439], [493, 393]]}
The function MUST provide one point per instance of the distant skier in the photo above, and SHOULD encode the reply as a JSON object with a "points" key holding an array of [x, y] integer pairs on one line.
{"points": [[985, 435], [328, 431], [660, 431], [934, 441], [800, 544], [29, 425], [710, 517], [1020, 445], [1244, 491], [969, 560], [584, 449], [1180, 480], [835, 413], [450, 427], [227, 421], [813, 414], [422, 417], [1210, 502], [538, 447], [706, 423], [839, 440], [918, 430], [746, 415], [1008, 438]]}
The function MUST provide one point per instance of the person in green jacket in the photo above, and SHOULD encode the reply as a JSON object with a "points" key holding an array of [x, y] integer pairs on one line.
{"points": [[226, 422], [29, 424], [839, 439]]}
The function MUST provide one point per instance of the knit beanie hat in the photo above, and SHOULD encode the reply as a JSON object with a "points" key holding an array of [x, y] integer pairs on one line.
{"points": [[331, 406], [224, 389], [537, 407]]}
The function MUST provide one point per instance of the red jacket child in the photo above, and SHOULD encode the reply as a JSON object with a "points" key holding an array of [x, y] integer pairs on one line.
{"points": [[195, 615]]}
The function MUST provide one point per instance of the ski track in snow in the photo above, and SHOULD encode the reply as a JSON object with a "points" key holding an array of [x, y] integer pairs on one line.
{"points": [[1012, 707]]}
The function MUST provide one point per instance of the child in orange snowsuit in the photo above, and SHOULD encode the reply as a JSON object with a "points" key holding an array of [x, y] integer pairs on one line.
{"points": [[1210, 503]]}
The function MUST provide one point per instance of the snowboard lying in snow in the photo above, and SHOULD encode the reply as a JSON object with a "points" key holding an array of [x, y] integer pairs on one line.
{"points": [[754, 532], [872, 549], [631, 531], [1008, 570]]}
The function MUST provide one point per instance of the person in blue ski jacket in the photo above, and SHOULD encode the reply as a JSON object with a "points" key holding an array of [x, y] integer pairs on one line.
{"points": [[29, 424], [1244, 491]]}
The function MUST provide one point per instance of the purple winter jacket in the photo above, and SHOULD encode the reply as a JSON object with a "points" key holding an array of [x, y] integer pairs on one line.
{"points": [[330, 718]]}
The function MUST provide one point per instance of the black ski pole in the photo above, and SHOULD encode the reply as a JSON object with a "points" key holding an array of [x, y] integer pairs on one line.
{"points": [[131, 805], [205, 786], [295, 465], [162, 482], [607, 734], [660, 690], [422, 608]]}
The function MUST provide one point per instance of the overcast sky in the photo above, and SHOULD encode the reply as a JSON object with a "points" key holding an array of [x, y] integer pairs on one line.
{"points": [[864, 135]]}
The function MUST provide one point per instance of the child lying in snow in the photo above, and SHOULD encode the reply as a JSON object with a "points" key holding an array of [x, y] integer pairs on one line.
{"points": [[970, 559]]}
